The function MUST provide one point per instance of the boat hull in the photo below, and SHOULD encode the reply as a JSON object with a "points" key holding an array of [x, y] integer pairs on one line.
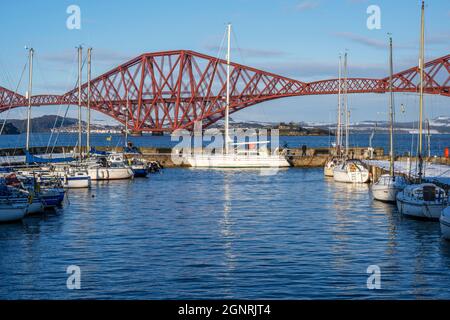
{"points": [[354, 177], [236, 161], [139, 171], [419, 209], [387, 188], [52, 198], [110, 173], [445, 223], [77, 182], [385, 193], [10, 212], [35, 207]]}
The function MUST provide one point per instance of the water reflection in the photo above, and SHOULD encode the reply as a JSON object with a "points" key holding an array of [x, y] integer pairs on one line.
{"points": [[224, 234]]}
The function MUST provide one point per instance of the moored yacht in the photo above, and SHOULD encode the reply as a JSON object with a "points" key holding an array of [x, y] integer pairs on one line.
{"points": [[425, 200], [389, 185], [422, 200], [351, 171], [111, 168], [237, 158]]}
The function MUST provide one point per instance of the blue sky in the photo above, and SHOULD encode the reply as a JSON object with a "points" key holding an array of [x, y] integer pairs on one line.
{"points": [[298, 39]]}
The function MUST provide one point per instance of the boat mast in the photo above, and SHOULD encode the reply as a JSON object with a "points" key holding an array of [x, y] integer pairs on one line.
{"points": [[421, 66], [88, 133], [339, 126], [227, 107], [347, 114], [391, 111], [126, 121], [80, 52], [30, 87]]}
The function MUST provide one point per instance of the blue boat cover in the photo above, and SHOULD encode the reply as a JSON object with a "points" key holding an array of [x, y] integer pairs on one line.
{"points": [[29, 158]]}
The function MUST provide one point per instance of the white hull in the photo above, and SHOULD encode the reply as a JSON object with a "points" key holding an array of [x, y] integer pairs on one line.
{"points": [[424, 201], [385, 193], [340, 175], [110, 173], [419, 209], [386, 189], [237, 161], [12, 212], [77, 183], [445, 223]]}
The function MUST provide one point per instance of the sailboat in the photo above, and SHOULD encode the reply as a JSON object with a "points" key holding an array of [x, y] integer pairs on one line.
{"points": [[249, 158], [349, 170], [97, 167], [388, 185], [75, 176], [422, 200], [334, 161]]}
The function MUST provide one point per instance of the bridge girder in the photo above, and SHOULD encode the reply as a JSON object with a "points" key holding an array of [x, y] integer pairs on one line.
{"points": [[173, 89]]}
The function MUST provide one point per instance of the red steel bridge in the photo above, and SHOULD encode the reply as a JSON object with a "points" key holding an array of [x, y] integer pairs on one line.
{"points": [[173, 89]]}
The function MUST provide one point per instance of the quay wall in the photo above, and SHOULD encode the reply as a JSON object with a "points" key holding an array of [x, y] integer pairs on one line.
{"points": [[312, 158]]}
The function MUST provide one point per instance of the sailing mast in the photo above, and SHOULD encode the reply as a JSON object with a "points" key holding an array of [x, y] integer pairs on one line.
{"points": [[227, 107], [80, 52], [126, 120], [347, 120], [391, 111], [30, 87], [88, 134], [421, 66], [339, 125]]}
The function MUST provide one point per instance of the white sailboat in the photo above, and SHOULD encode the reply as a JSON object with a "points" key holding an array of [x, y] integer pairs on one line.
{"points": [[349, 170], [337, 159], [97, 168], [422, 200], [388, 185], [236, 158]]}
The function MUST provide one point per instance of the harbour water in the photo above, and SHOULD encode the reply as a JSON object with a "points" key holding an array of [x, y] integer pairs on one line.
{"points": [[188, 234]]}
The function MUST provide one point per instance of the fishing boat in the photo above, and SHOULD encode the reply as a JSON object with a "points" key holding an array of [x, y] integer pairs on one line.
{"points": [[389, 185], [236, 157], [422, 199], [445, 223]]}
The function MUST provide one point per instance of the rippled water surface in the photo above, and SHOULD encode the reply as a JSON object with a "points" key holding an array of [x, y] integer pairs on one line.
{"points": [[224, 234]]}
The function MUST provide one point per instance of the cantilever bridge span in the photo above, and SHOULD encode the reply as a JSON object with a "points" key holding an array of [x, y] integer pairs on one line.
{"points": [[165, 91]]}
